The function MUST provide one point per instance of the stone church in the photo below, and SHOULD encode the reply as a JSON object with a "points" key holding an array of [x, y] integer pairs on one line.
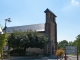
{"points": [[49, 29]]}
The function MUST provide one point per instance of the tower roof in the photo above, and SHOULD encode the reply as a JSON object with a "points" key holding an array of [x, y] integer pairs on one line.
{"points": [[47, 10]]}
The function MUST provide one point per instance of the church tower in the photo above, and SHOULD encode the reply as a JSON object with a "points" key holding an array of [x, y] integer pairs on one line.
{"points": [[50, 32]]}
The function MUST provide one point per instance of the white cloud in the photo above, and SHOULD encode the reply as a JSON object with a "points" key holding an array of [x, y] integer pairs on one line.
{"points": [[74, 2], [70, 6]]}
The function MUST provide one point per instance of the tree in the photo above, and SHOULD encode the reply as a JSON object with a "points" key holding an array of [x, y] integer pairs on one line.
{"points": [[26, 39], [77, 42], [62, 44], [17, 39], [70, 43], [36, 39], [3, 42], [74, 43]]}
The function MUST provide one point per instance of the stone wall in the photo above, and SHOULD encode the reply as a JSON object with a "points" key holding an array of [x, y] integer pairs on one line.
{"points": [[35, 50]]}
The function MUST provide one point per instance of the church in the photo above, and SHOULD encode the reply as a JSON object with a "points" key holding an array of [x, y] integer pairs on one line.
{"points": [[49, 28]]}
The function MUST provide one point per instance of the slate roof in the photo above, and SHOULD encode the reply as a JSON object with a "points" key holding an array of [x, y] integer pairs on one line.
{"points": [[37, 27]]}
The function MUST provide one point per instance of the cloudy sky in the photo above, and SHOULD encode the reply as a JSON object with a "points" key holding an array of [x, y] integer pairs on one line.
{"points": [[26, 12]]}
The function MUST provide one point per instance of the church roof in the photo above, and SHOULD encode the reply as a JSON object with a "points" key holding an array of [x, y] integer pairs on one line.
{"points": [[37, 27]]}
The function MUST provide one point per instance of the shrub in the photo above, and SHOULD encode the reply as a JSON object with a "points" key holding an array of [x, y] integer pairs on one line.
{"points": [[60, 52], [17, 52]]}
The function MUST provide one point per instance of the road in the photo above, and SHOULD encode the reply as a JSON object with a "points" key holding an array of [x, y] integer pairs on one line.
{"points": [[70, 57], [73, 57]]}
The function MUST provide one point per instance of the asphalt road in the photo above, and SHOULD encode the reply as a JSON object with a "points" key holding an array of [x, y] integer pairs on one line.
{"points": [[73, 57]]}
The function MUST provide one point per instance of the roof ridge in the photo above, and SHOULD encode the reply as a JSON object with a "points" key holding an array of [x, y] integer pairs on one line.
{"points": [[24, 25]]}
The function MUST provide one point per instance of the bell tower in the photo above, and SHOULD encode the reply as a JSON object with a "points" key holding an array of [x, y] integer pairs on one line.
{"points": [[51, 32]]}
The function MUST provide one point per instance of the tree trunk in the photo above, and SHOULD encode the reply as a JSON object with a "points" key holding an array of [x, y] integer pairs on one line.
{"points": [[24, 50]]}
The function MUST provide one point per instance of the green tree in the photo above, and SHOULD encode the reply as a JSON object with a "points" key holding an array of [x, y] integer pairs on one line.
{"points": [[36, 39], [26, 39], [62, 44], [17, 39], [77, 42], [70, 43], [74, 43], [3, 42]]}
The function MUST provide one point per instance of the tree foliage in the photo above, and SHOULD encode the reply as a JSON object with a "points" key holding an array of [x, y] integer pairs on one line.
{"points": [[77, 42], [26, 39], [70, 43], [62, 44], [3, 41]]}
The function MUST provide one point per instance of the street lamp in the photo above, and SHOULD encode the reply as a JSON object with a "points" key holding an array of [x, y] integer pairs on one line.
{"points": [[6, 20]]}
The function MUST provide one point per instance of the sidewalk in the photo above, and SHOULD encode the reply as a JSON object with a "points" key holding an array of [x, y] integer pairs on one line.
{"points": [[26, 58], [73, 56]]}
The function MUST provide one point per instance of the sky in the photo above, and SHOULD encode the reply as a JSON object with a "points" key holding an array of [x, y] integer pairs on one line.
{"points": [[26, 12]]}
